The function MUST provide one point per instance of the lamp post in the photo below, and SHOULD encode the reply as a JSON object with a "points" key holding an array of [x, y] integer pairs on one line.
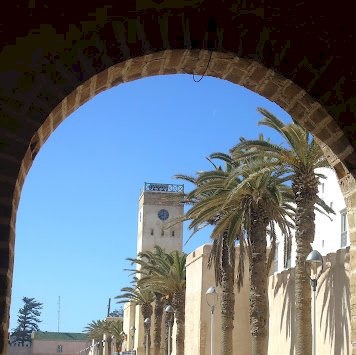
{"points": [[314, 259], [132, 333], [147, 325], [123, 341], [169, 311], [211, 298]]}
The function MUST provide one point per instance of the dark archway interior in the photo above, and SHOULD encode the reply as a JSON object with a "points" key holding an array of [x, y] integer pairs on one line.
{"points": [[51, 50]]}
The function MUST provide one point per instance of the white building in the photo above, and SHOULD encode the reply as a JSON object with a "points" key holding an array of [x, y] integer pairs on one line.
{"points": [[331, 233]]}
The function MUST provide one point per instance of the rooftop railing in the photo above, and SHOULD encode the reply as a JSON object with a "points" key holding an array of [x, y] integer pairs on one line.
{"points": [[155, 187]]}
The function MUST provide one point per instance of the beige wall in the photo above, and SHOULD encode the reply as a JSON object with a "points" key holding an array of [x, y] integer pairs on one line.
{"points": [[197, 312], [128, 322], [332, 310]]}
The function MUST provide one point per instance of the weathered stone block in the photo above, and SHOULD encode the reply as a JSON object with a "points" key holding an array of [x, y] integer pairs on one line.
{"points": [[269, 90], [153, 67], [235, 75], [298, 111], [219, 65], [102, 80], [318, 115]]}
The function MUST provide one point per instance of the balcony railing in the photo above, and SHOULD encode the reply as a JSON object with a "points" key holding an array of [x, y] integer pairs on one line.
{"points": [[155, 187]]}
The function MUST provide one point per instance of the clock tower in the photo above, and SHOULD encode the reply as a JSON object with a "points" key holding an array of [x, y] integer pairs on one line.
{"points": [[159, 204]]}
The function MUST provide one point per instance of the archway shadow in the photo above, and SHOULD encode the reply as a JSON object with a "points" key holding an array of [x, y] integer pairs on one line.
{"points": [[336, 310], [284, 282]]}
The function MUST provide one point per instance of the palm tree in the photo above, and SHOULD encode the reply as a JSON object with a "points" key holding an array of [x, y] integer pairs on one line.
{"points": [[146, 260], [203, 198], [167, 277], [143, 297], [299, 158], [96, 330], [239, 202]]}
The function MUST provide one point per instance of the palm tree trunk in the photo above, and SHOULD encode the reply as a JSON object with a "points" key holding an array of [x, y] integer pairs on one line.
{"points": [[304, 235], [147, 340], [146, 311], [157, 330], [227, 298], [167, 336], [178, 303], [258, 283]]}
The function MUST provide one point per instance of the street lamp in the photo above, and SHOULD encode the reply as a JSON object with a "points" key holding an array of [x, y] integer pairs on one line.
{"points": [[147, 325], [132, 333], [211, 298], [170, 311], [314, 259], [123, 341]]}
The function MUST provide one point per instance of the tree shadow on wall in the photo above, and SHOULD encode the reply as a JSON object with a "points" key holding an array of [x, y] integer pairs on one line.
{"points": [[285, 281], [336, 308]]}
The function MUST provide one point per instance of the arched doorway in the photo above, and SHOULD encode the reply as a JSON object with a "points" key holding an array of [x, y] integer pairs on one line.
{"points": [[62, 57]]}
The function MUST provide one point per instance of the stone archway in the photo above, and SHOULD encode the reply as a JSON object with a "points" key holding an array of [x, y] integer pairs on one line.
{"points": [[48, 71]]}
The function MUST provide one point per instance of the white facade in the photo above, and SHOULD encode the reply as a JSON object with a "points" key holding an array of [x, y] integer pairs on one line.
{"points": [[330, 234]]}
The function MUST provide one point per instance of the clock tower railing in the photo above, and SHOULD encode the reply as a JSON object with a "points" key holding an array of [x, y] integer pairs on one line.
{"points": [[156, 187]]}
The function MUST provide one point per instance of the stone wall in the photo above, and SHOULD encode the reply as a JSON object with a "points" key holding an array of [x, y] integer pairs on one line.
{"points": [[333, 312]]}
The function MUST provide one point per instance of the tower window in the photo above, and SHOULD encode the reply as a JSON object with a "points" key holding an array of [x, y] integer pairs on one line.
{"points": [[276, 260], [172, 233], [140, 216], [162, 232], [343, 228], [152, 231]]}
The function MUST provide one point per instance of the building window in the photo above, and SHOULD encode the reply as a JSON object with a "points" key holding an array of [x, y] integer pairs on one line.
{"points": [[343, 228], [172, 233], [151, 231], [140, 216], [162, 232], [59, 349], [276, 258], [322, 188]]}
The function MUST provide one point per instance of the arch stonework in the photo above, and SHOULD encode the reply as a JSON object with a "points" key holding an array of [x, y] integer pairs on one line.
{"points": [[41, 84]]}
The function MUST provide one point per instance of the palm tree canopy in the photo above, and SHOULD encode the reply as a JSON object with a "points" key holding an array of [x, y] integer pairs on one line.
{"points": [[302, 154], [97, 329], [167, 274], [225, 196], [139, 295], [298, 161]]}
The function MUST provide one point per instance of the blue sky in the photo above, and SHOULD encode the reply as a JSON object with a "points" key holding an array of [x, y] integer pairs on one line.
{"points": [[77, 218]]}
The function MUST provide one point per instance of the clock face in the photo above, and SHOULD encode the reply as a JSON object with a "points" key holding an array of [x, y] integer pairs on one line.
{"points": [[163, 215]]}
